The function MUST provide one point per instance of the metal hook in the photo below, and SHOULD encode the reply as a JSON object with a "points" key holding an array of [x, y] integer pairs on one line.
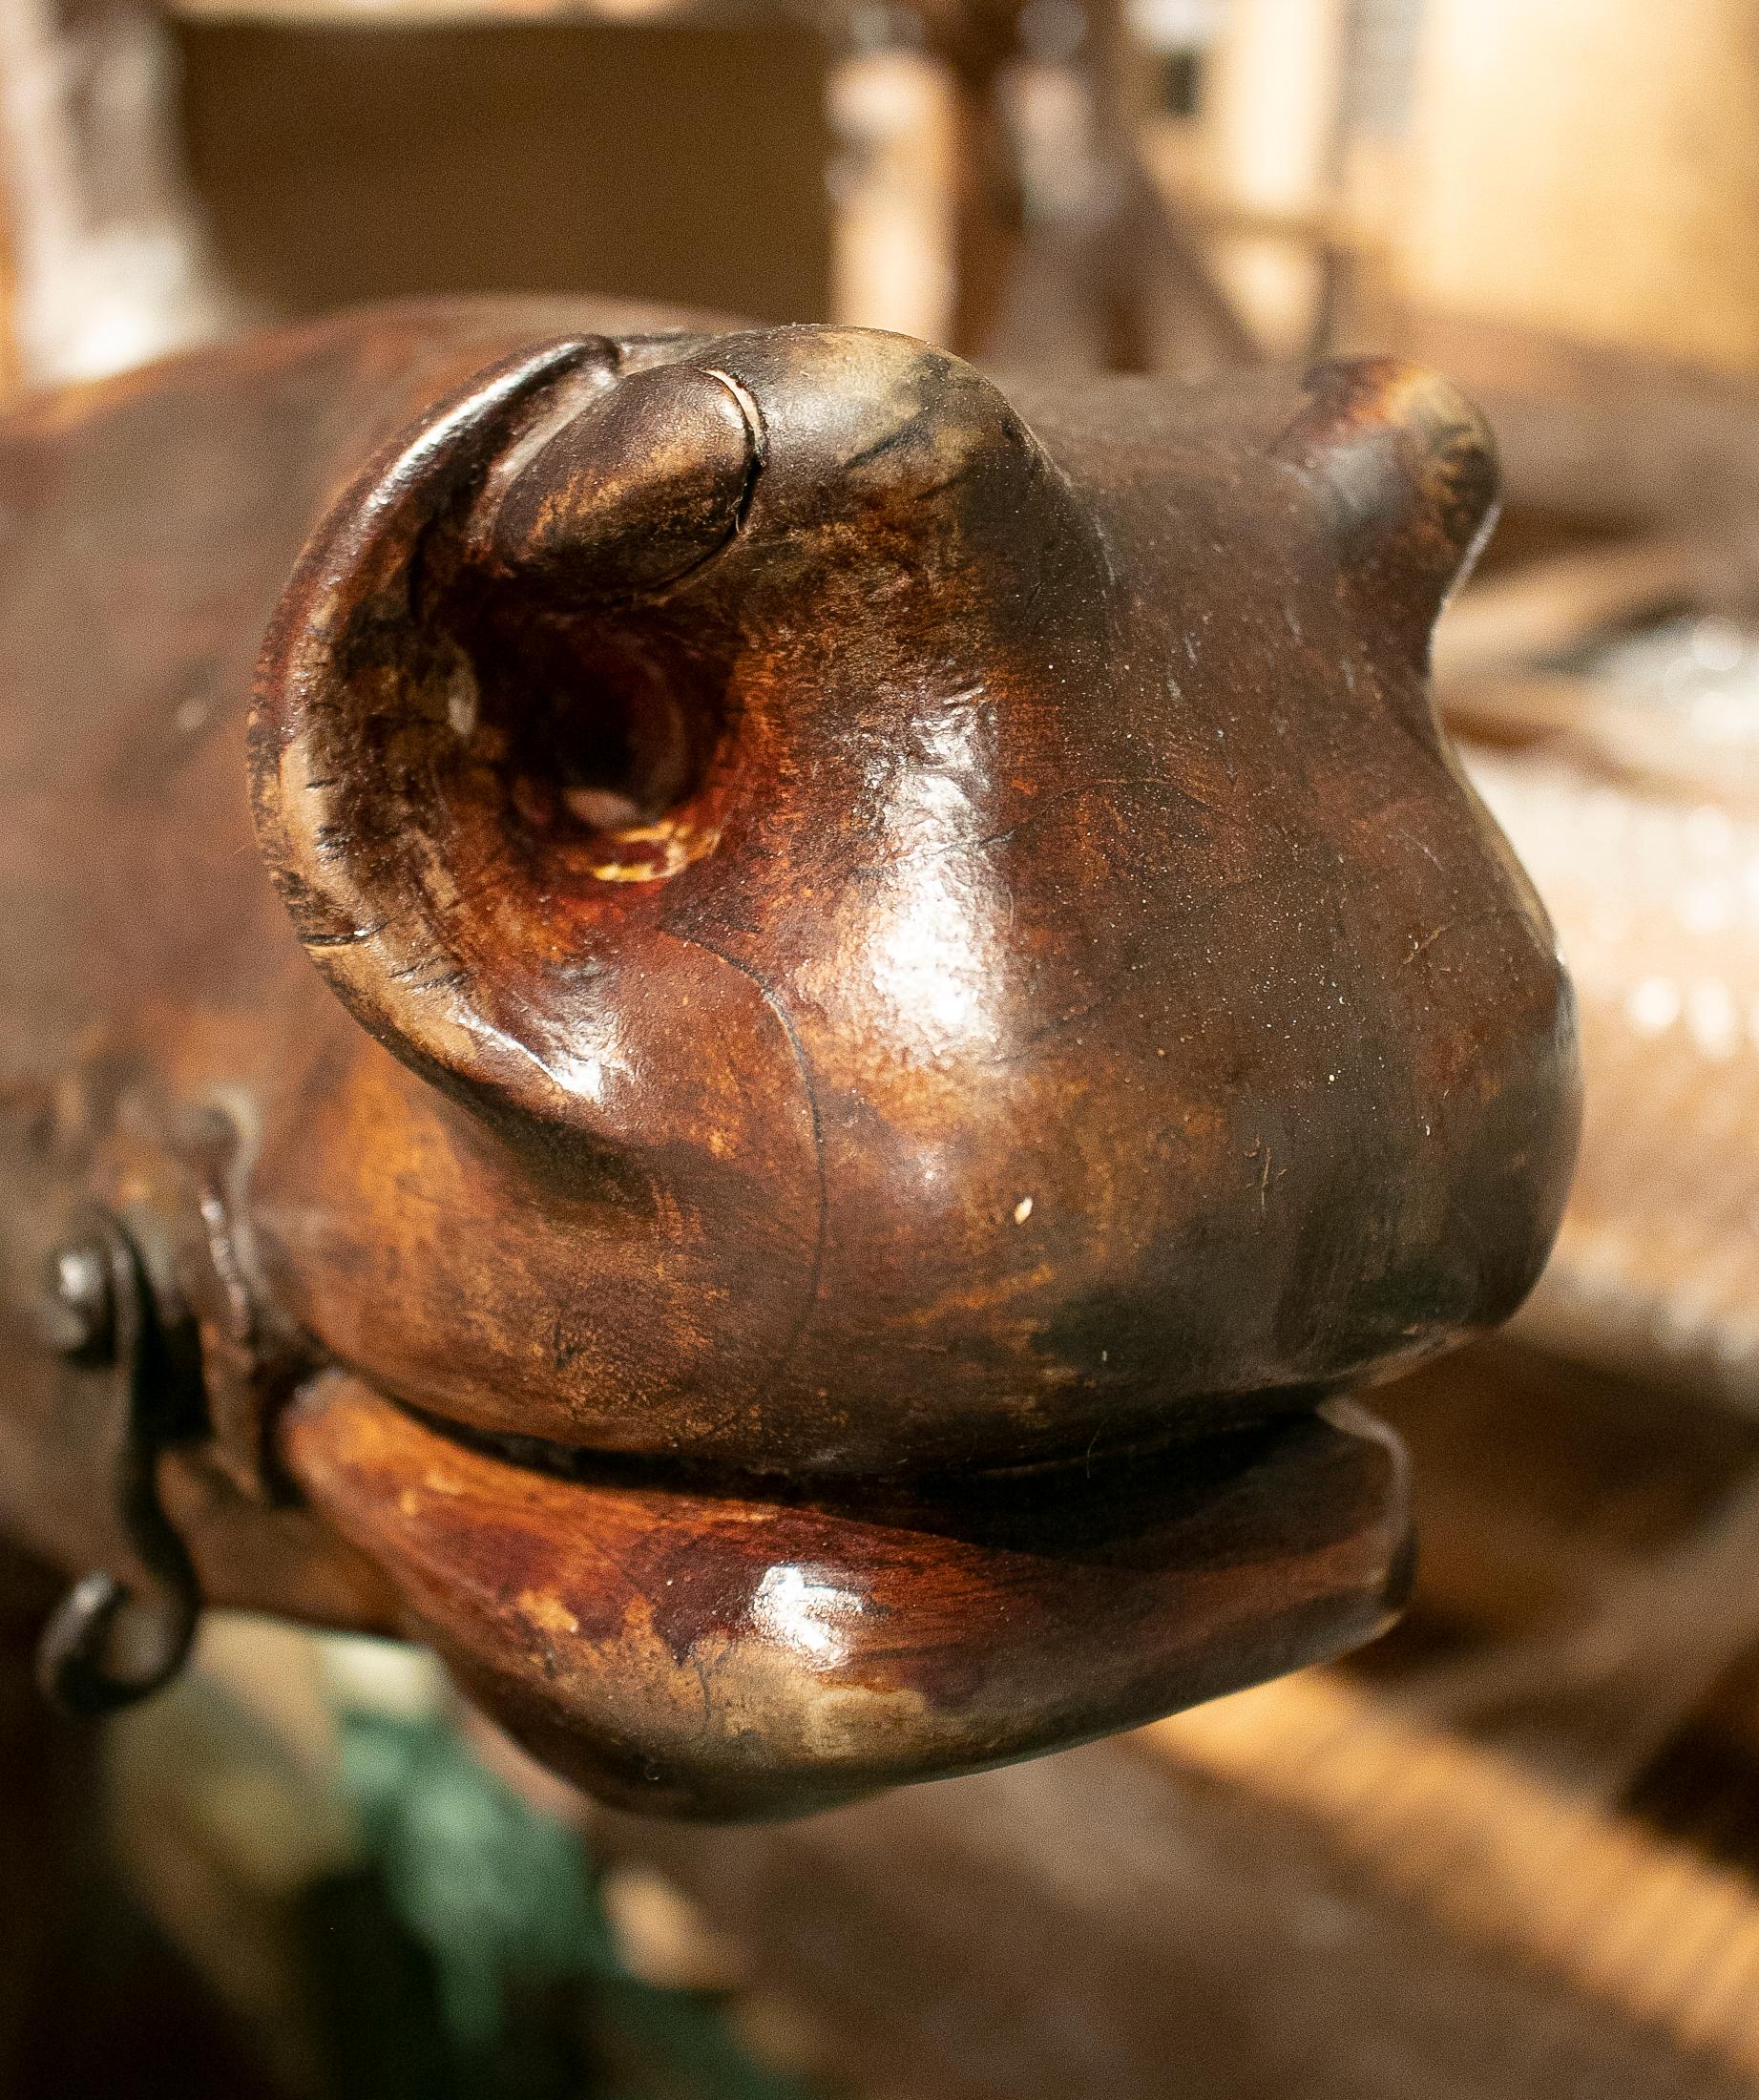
{"points": [[97, 1314]]}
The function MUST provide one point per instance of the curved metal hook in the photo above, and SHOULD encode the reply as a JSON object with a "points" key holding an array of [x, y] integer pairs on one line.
{"points": [[99, 1316]]}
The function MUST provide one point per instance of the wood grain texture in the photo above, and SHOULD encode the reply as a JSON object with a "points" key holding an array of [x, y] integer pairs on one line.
{"points": [[892, 934], [733, 1649]]}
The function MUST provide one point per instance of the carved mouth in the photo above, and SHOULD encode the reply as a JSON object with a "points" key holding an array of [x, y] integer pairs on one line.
{"points": [[698, 1645]]}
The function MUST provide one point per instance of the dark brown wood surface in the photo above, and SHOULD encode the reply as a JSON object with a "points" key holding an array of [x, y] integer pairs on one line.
{"points": [[718, 1652], [910, 937]]}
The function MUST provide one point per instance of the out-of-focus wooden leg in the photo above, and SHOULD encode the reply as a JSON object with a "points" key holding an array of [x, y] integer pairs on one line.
{"points": [[48, 1787]]}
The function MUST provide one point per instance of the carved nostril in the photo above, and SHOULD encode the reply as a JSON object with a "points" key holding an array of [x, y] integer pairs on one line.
{"points": [[592, 718], [593, 731], [488, 725]]}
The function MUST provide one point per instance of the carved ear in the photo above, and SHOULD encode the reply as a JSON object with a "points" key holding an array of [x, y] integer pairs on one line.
{"points": [[503, 699], [1407, 469], [476, 741]]}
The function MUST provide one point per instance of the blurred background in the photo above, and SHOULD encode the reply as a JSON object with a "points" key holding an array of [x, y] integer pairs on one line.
{"points": [[1512, 1849]]}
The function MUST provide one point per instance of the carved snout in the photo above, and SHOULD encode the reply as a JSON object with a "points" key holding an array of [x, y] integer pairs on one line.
{"points": [[942, 880], [972, 900]]}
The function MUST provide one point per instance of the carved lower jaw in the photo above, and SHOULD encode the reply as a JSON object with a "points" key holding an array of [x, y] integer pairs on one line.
{"points": [[740, 1648]]}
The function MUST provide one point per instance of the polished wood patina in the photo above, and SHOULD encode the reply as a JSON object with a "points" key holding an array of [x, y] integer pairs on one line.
{"points": [[904, 994]]}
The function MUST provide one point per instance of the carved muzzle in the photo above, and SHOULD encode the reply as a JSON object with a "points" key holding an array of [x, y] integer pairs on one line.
{"points": [[954, 999]]}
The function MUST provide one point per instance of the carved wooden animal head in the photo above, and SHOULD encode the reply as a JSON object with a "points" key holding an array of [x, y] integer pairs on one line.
{"points": [[954, 921], [945, 999]]}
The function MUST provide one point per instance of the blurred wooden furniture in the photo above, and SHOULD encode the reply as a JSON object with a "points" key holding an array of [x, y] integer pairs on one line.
{"points": [[1437, 1875]]}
